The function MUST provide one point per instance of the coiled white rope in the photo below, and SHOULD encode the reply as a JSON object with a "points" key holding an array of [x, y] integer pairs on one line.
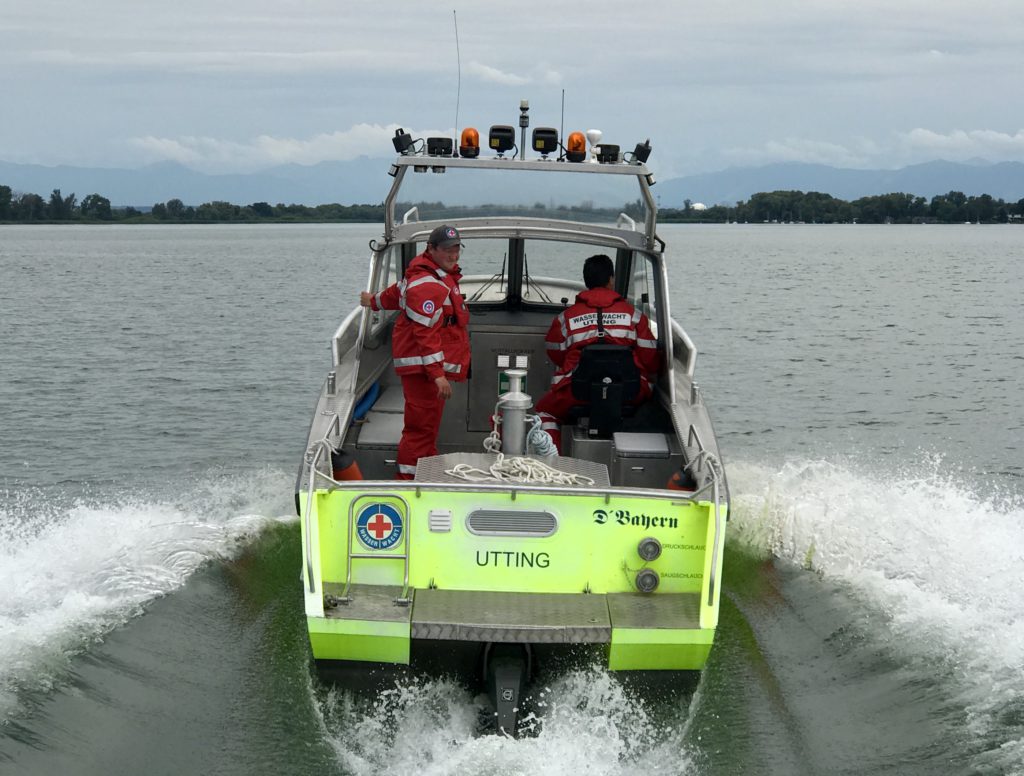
{"points": [[518, 469]]}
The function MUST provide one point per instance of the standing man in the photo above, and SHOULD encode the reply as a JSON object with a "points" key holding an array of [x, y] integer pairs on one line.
{"points": [[430, 341], [599, 315]]}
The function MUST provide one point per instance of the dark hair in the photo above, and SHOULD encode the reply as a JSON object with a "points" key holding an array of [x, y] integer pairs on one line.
{"points": [[598, 270]]}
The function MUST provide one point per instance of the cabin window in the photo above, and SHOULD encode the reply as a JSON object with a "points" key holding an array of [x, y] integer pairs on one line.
{"points": [[484, 265], [553, 271], [642, 290]]}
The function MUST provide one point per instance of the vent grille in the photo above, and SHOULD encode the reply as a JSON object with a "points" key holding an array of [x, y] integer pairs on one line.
{"points": [[499, 522], [440, 520]]}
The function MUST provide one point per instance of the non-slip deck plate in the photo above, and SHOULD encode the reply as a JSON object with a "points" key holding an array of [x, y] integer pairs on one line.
{"points": [[636, 610], [538, 618], [368, 602]]}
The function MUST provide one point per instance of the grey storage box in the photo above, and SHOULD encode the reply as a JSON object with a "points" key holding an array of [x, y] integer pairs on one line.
{"points": [[576, 444], [641, 460]]}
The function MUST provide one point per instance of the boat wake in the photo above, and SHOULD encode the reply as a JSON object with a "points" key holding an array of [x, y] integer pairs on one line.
{"points": [[938, 568], [585, 721], [70, 573]]}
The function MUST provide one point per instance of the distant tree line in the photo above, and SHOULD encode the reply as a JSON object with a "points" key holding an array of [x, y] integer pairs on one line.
{"points": [[765, 207], [27, 208], [815, 207]]}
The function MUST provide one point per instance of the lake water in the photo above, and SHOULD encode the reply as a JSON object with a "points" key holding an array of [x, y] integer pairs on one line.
{"points": [[156, 385]]}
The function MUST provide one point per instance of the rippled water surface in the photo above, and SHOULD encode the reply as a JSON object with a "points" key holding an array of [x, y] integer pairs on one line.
{"points": [[155, 391]]}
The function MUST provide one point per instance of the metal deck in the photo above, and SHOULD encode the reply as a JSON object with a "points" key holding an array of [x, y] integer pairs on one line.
{"points": [[536, 618]]}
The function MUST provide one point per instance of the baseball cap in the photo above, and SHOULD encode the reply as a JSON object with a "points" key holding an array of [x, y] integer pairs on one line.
{"points": [[444, 237]]}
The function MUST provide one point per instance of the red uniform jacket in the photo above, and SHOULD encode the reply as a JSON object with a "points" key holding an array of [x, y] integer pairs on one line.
{"points": [[576, 327], [431, 335]]}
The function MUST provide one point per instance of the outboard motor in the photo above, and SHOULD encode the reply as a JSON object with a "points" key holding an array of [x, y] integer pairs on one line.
{"points": [[506, 671], [514, 406]]}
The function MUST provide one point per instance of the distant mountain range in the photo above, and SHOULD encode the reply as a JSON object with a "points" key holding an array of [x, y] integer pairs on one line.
{"points": [[363, 181]]}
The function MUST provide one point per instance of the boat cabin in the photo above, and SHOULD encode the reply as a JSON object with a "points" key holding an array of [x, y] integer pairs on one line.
{"points": [[519, 272]]}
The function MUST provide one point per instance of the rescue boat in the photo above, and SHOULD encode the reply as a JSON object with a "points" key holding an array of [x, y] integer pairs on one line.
{"points": [[499, 553]]}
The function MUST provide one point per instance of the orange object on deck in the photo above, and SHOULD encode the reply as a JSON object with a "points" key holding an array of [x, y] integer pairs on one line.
{"points": [[344, 466]]}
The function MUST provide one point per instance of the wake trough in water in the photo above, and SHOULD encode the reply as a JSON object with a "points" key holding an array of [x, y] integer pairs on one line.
{"points": [[69, 574], [587, 722], [938, 569]]}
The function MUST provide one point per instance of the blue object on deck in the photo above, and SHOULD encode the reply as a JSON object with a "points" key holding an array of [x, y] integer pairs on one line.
{"points": [[366, 402]]}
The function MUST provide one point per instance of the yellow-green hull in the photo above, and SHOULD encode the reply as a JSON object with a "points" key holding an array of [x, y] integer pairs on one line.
{"points": [[509, 564]]}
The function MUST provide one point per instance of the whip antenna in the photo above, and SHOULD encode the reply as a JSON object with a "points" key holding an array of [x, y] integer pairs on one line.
{"points": [[561, 129], [458, 89]]}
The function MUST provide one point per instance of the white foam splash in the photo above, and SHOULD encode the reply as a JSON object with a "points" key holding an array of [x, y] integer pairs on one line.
{"points": [[585, 722], [942, 566], [68, 575]]}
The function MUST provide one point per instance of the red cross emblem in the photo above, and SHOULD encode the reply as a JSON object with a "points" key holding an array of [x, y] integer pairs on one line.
{"points": [[379, 526]]}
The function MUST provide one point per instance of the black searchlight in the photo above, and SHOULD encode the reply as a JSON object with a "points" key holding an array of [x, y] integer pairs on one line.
{"points": [[402, 141], [642, 152], [439, 146], [545, 140], [607, 153], [501, 138]]}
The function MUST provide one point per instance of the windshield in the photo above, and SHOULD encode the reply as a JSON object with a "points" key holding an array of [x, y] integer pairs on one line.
{"points": [[552, 271], [465, 193]]}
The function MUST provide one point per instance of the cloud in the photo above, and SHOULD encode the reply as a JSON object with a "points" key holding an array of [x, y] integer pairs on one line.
{"points": [[899, 148], [802, 150], [244, 62], [493, 75], [964, 144], [213, 154]]}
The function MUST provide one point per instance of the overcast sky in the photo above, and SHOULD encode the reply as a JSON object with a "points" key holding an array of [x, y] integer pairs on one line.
{"points": [[239, 86]]}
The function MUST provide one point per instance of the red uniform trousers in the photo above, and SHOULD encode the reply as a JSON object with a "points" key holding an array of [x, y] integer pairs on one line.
{"points": [[553, 407], [423, 408]]}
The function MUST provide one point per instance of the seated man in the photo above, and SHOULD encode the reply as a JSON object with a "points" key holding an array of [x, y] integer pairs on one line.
{"points": [[599, 316]]}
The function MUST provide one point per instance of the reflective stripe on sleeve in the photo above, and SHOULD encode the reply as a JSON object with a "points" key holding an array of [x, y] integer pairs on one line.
{"points": [[433, 358], [405, 468], [418, 317], [647, 343]]}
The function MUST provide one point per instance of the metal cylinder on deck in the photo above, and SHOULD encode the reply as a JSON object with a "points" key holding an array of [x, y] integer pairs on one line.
{"points": [[515, 406]]}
